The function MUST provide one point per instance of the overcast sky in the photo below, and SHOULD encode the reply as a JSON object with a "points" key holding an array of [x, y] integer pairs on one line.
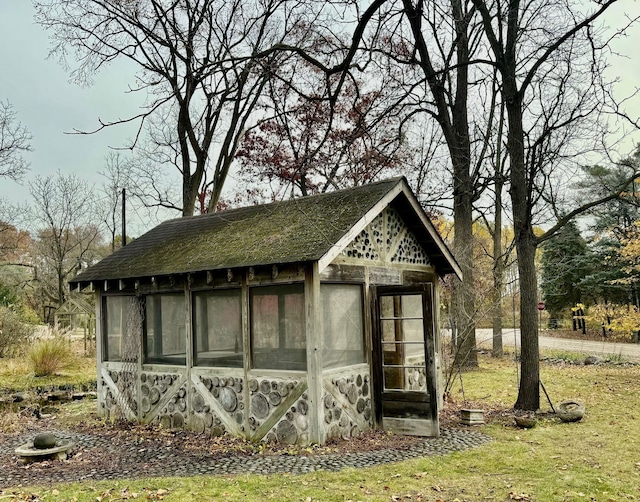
{"points": [[50, 106]]}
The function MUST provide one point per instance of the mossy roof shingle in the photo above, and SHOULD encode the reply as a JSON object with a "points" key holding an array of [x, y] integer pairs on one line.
{"points": [[298, 230]]}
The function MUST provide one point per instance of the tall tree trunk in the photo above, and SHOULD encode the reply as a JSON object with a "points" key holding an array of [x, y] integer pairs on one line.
{"points": [[525, 243], [463, 194], [498, 273], [463, 297]]}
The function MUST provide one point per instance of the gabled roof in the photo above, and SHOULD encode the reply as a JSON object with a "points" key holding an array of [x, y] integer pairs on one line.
{"points": [[314, 228], [75, 305]]}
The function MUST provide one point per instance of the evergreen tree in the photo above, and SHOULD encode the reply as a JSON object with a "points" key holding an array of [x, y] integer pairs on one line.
{"points": [[563, 267]]}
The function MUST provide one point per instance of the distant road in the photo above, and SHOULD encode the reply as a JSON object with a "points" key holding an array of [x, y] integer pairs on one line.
{"points": [[629, 351]]}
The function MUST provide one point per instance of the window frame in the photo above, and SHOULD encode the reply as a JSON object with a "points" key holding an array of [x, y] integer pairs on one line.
{"points": [[104, 335], [194, 326], [163, 359], [297, 288]]}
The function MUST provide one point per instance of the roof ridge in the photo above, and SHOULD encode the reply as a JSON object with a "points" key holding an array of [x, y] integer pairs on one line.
{"points": [[257, 207]]}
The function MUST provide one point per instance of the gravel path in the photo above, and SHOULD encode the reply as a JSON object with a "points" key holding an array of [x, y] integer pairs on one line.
{"points": [[108, 457]]}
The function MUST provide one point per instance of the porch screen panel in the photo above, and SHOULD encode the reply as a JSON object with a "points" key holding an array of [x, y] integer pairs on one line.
{"points": [[217, 328], [278, 331], [165, 335], [115, 311], [342, 325]]}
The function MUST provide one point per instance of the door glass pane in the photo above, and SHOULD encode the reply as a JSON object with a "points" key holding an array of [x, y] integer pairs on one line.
{"points": [[386, 306], [412, 306], [402, 338], [394, 378], [412, 330]]}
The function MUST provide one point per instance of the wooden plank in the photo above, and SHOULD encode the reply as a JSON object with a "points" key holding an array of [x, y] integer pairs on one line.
{"points": [[343, 273], [347, 407], [413, 277], [99, 345], [411, 427], [282, 408], [426, 222], [406, 409], [314, 353], [226, 418], [385, 275]]}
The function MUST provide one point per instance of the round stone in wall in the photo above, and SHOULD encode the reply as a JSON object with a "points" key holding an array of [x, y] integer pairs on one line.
{"points": [[154, 395], [274, 398], [197, 424], [260, 406], [286, 432], [352, 394], [228, 399], [165, 421], [197, 403], [265, 387], [178, 420]]}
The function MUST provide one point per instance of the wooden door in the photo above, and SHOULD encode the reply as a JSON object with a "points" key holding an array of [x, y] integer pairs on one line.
{"points": [[404, 366]]}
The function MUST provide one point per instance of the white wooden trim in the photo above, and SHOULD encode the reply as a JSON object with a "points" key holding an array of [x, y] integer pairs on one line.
{"points": [[314, 353], [360, 225], [367, 219], [432, 230]]}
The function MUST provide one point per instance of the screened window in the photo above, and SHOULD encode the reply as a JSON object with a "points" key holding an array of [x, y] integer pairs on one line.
{"points": [[165, 334], [217, 328], [119, 326], [343, 336], [278, 337]]}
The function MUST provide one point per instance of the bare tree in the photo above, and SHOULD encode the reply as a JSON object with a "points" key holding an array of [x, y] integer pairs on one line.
{"points": [[531, 45], [309, 146], [15, 140], [116, 179], [198, 62], [66, 232]]}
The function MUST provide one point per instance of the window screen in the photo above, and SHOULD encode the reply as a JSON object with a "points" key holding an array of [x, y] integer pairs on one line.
{"points": [[116, 313], [342, 331], [165, 335], [278, 336], [217, 326]]}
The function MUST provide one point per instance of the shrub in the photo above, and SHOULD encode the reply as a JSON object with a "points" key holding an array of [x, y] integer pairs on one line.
{"points": [[13, 332], [50, 356]]}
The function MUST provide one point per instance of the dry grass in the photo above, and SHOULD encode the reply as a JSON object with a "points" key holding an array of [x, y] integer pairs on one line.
{"points": [[51, 356]]}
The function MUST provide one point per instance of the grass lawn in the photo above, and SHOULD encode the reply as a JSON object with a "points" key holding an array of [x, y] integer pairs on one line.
{"points": [[595, 459]]}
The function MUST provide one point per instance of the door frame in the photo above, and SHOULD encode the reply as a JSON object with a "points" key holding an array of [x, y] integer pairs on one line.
{"points": [[423, 403]]}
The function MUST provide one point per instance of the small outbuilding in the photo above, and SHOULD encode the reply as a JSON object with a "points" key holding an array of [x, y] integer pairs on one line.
{"points": [[296, 321]]}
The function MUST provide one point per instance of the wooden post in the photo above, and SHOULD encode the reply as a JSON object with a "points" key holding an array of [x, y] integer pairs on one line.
{"points": [[314, 340], [99, 346]]}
